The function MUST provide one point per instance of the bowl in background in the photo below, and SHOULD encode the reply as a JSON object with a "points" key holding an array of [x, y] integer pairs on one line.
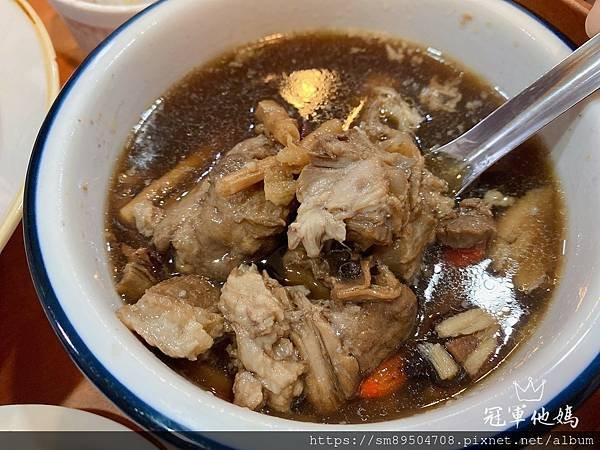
{"points": [[86, 130], [91, 21]]}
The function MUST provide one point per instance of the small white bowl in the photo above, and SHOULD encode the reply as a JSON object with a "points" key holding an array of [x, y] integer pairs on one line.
{"points": [[85, 132], [91, 21]]}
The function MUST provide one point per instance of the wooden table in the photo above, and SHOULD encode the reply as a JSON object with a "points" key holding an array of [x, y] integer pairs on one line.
{"points": [[34, 367]]}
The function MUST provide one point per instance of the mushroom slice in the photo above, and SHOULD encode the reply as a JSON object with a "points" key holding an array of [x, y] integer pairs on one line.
{"points": [[383, 286]]}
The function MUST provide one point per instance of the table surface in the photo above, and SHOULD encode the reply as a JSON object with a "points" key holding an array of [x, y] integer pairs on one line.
{"points": [[34, 367]]}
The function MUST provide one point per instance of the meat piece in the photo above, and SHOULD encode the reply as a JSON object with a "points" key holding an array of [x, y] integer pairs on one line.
{"points": [[471, 224], [353, 190], [419, 201], [211, 234], [336, 187], [247, 391], [349, 191], [255, 306], [281, 335], [142, 271], [277, 122], [254, 302], [493, 197], [461, 347], [370, 331], [193, 289], [167, 317], [369, 186], [333, 374], [425, 206], [526, 234], [387, 113], [352, 185], [441, 96], [313, 273]]}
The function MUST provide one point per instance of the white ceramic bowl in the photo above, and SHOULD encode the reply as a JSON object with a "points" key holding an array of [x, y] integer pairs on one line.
{"points": [[87, 127], [91, 21], [28, 85]]}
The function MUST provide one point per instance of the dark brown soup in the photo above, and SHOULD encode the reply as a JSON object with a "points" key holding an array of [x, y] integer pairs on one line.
{"points": [[467, 261]]}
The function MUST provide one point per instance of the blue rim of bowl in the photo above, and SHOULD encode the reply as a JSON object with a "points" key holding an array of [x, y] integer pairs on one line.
{"points": [[145, 415]]}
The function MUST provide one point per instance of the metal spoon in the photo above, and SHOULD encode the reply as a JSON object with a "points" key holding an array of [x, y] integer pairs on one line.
{"points": [[572, 80]]}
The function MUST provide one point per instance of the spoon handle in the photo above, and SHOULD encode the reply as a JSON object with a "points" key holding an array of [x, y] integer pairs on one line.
{"points": [[573, 79]]}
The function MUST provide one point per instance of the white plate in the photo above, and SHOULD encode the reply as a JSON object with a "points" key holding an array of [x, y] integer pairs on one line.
{"points": [[65, 425], [53, 418], [28, 85]]}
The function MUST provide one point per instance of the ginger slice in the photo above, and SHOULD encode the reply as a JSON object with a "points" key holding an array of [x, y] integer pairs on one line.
{"points": [[252, 173], [292, 158], [440, 359], [163, 186], [298, 155], [467, 322], [277, 122]]}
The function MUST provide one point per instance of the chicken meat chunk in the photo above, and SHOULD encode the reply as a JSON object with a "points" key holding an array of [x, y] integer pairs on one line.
{"points": [[211, 234], [332, 372], [471, 223], [254, 305], [342, 192], [523, 244], [178, 316], [369, 186], [289, 344], [371, 330]]}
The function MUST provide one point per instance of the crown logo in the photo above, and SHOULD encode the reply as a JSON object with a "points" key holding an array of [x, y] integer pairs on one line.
{"points": [[530, 393]]}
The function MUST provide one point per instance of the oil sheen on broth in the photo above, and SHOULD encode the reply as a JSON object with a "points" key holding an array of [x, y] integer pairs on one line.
{"points": [[323, 76]]}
